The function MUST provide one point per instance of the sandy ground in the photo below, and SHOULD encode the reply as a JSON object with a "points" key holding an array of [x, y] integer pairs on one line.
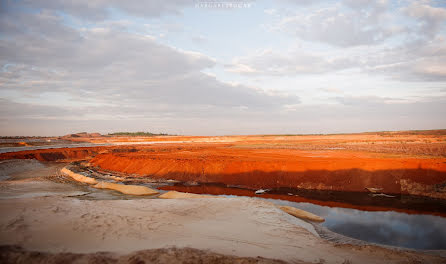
{"points": [[18, 255], [52, 218], [242, 227]]}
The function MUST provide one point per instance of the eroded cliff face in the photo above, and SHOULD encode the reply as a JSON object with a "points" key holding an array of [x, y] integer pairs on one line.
{"points": [[66, 154], [273, 168], [333, 170]]}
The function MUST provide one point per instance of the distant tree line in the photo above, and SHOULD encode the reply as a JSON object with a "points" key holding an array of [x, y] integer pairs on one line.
{"points": [[137, 134]]}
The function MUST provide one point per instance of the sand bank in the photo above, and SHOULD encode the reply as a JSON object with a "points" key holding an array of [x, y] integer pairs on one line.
{"points": [[126, 189], [288, 209], [301, 214], [242, 226], [78, 177]]}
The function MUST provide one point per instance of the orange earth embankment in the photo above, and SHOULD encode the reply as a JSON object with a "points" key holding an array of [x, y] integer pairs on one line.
{"points": [[65, 154], [272, 168]]}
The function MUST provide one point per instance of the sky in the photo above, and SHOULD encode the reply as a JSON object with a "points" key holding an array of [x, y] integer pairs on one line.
{"points": [[196, 67]]}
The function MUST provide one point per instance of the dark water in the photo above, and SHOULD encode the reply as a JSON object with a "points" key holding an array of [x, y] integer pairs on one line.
{"points": [[383, 227]]}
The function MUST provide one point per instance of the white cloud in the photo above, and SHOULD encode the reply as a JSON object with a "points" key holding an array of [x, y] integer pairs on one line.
{"points": [[269, 62], [430, 19], [425, 61], [270, 11], [361, 22], [121, 74], [365, 24], [99, 9], [411, 60], [72, 65]]}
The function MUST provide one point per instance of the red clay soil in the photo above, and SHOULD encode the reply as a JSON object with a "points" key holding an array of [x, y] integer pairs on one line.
{"points": [[272, 168], [65, 154], [330, 162]]}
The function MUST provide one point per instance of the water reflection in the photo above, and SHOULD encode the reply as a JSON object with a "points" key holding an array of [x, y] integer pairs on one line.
{"points": [[403, 222], [389, 228]]}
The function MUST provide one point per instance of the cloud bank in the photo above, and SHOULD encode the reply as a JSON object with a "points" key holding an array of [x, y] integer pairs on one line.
{"points": [[86, 65]]}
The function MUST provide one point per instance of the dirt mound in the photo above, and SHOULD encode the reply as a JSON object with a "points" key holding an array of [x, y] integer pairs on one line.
{"points": [[82, 135], [12, 254]]}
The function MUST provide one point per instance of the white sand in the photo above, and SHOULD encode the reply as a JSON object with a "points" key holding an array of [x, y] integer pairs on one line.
{"points": [[126, 189], [299, 213], [78, 177], [235, 226]]}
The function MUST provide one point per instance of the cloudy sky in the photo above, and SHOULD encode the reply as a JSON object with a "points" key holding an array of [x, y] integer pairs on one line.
{"points": [[203, 68]]}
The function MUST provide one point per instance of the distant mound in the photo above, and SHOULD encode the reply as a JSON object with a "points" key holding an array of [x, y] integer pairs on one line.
{"points": [[83, 135], [137, 134]]}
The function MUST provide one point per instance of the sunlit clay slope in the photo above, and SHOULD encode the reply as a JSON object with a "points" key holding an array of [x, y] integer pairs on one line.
{"points": [[272, 168], [54, 154]]}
